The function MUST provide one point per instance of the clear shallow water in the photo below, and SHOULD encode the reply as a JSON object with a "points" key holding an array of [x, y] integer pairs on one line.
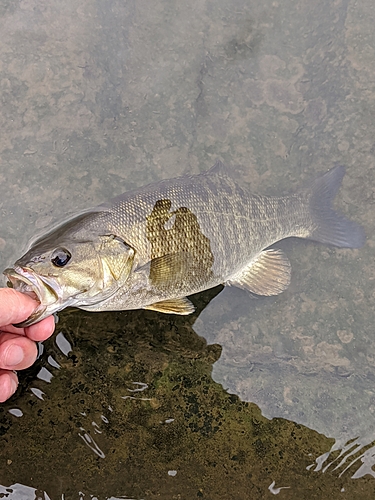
{"points": [[107, 96]]}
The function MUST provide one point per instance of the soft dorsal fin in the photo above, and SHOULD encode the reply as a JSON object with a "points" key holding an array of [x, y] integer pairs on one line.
{"points": [[181, 306], [268, 274]]}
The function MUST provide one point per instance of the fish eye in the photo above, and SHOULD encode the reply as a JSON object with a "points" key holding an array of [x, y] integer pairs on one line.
{"points": [[60, 257]]}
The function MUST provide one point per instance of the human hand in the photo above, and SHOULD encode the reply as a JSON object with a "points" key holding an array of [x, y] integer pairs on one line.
{"points": [[18, 345]]}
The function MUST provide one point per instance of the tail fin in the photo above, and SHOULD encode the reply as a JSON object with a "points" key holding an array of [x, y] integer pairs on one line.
{"points": [[332, 228]]}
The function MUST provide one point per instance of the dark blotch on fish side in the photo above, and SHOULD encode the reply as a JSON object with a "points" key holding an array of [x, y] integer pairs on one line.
{"points": [[179, 249]]}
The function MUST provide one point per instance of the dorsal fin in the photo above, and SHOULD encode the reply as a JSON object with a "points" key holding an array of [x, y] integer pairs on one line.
{"points": [[219, 169]]}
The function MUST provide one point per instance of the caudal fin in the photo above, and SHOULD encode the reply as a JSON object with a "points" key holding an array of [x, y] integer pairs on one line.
{"points": [[332, 228]]}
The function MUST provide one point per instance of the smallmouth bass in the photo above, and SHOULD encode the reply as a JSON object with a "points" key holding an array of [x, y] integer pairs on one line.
{"points": [[152, 247]]}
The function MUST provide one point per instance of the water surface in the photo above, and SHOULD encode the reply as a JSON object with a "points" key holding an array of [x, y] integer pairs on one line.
{"points": [[246, 396]]}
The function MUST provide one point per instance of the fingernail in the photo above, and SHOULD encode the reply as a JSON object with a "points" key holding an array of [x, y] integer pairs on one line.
{"points": [[13, 356]]}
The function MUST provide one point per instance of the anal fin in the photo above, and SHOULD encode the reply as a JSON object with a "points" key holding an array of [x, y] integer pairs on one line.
{"points": [[268, 274], [172, 306]]}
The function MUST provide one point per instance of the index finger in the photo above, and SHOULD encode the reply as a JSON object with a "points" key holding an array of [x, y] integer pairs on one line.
{"points": [[15, 306]]}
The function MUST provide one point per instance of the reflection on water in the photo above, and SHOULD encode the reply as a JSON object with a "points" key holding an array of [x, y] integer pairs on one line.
{"points": [[252, 396]]}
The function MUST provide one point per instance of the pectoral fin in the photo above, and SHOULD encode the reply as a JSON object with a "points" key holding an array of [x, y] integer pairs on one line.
{"points": [[173, 306], [168, 269], [268, 274]]}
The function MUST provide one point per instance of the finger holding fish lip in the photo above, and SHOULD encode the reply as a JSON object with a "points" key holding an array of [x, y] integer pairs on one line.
{"points": [[41, 291], [37, 332], [15, 306]]}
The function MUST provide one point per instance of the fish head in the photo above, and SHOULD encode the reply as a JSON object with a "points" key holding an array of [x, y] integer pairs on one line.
{"points": [[78, 269]]}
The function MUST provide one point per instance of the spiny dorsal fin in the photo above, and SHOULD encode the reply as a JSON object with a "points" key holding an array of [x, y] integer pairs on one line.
{"points": [[218, 168], [173, 306], [268, 274]]}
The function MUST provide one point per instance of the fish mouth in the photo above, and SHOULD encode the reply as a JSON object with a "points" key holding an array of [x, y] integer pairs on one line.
{"points": [[41, 288]]}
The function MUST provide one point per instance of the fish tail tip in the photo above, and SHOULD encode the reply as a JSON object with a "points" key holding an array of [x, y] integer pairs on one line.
{"points": [[331, 227]]}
